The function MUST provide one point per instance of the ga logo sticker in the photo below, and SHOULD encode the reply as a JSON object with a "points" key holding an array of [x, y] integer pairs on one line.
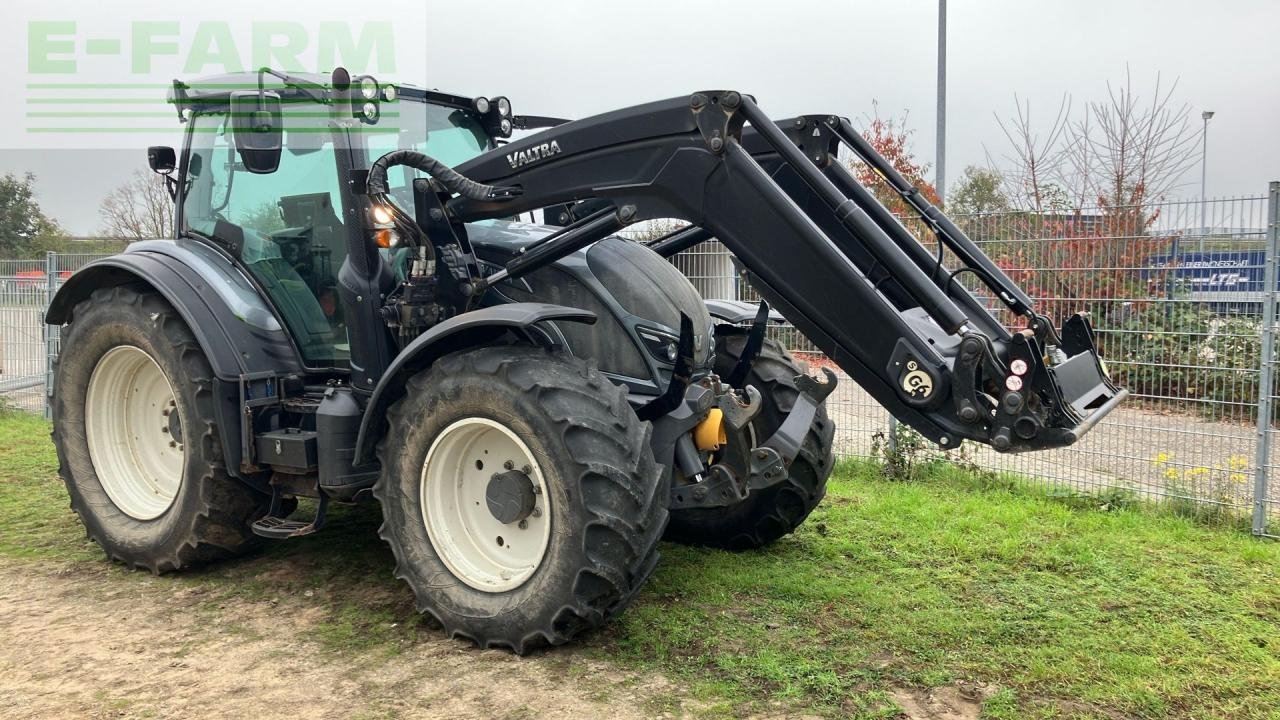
{"points": [[917, 382]]}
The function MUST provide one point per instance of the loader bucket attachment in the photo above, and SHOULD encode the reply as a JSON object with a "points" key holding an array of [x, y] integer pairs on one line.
{"points": [[819, 247]]}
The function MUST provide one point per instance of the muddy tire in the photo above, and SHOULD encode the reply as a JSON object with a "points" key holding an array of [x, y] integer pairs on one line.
{"points": [[585, 502], [137, 444], [774, 512]]}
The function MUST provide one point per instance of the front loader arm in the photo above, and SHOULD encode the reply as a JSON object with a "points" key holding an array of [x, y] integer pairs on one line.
{"points": [[818, 247]]}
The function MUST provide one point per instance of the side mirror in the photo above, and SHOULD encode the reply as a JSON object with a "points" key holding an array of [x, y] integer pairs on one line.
{"points": [[162, 159], [258, 128]]}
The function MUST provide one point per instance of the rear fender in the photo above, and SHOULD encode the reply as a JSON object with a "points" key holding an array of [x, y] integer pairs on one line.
{"points": [[234, 327], [461, 332]]}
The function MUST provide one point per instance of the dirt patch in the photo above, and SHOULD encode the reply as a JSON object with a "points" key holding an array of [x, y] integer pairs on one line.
{"points": [[87, 645], [957, 701]]}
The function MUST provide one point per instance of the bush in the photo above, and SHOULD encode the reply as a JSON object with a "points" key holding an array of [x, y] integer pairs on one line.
{"points": [[1179, 350]]}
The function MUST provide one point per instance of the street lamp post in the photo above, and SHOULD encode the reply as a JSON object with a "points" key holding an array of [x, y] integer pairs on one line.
{"points": [[941, 155], [1204, 164], [940, 158]]}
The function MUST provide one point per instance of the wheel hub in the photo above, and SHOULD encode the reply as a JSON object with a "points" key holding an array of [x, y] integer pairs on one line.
{"points": [[134, 432], [485, 504], [174, 424], [510, 496]]}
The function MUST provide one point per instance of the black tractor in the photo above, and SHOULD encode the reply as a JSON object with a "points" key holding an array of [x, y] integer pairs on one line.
{"points": [[357, 304]]}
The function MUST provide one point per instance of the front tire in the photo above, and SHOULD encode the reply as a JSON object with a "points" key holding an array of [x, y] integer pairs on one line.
{"points": [[138, 447], [583, 503], [769, 514]]}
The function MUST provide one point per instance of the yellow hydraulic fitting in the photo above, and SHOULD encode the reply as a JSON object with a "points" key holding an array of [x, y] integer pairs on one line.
{"points": [[709, 434]]}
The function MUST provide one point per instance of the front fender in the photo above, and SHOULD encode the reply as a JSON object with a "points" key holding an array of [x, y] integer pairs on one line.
{"points": [[461, 332]]}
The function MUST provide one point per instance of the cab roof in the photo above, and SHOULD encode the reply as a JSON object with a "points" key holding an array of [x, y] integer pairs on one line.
{"points": [[215, 90]]}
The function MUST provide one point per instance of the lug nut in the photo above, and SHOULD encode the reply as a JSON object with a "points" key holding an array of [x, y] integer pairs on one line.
{"points": [[508, 465], [524, 524]]}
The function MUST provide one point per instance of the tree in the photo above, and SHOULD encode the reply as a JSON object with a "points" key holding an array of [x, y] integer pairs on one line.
{"points": [[1122, 154], [979, 205], [138, 209], [22, 222], [892, 138], [1090, 182], [979, 191]]}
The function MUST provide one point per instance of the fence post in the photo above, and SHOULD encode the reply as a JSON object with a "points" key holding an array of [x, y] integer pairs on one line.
{"points": [[50, 332], [1266, 367]]}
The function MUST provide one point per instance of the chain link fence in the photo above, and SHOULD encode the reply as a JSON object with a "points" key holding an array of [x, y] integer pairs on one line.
{"points": [[1182, 294]]}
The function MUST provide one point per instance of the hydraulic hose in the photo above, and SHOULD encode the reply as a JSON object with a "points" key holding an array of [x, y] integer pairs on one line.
{"points": [[451, 179]]}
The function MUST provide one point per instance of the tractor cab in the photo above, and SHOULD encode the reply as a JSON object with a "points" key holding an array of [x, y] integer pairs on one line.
{"points": [[292, 215]]}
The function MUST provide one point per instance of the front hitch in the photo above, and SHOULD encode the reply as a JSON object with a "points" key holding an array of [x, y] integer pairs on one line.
{"points": [[739, 468]]}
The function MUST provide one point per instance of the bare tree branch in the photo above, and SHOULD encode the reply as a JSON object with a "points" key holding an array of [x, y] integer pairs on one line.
{"points": [[1123, 152], [138, 209]]}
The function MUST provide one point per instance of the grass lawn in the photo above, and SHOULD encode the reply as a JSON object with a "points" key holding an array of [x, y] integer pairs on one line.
{"points": [[890, 589]]}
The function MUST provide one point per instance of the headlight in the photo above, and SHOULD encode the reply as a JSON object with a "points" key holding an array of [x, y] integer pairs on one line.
{"points": [[481, 105], [504, 107], [368, 88], [381, 215], [370, 112], [389, 93], [505, 126], [663, 347]]}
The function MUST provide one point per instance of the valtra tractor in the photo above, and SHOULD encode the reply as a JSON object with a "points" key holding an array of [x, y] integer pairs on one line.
{"points": [[354, 306]]}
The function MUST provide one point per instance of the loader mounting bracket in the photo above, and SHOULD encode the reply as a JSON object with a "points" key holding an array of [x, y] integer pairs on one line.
{"points": [[717, 117]]}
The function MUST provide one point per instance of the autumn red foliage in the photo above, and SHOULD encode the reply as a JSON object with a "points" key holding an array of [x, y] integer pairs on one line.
{"points": [[892, 139], [1074, 262]]}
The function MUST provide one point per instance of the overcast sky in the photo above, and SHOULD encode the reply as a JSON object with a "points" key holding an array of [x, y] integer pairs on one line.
{"points": [[570, 58]]}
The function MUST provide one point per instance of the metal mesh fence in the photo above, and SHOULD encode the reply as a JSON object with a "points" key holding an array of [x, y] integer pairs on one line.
{"points": [[1183, 298], [24, 350], [27, 345], [1176, 293]]}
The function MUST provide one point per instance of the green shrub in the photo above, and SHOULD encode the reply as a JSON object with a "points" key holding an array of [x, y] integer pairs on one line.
{"points": [[1180, 350]]}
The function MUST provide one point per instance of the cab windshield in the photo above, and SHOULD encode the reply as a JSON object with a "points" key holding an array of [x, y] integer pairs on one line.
{"points": [[289, 226]]}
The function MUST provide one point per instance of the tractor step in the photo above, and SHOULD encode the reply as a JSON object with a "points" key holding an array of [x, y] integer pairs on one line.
{"points": [[274, 527]]}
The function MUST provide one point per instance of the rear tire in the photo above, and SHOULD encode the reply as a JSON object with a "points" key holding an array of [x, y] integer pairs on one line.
{"points": [[599, 496], [768, 514], [137, 444]]}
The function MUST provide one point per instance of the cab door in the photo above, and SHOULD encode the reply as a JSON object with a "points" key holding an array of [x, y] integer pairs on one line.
{"points": [[286, 226]]}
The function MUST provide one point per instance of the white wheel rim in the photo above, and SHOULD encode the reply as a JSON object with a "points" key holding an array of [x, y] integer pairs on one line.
{"points": [[478, 549], [130, 414]]}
